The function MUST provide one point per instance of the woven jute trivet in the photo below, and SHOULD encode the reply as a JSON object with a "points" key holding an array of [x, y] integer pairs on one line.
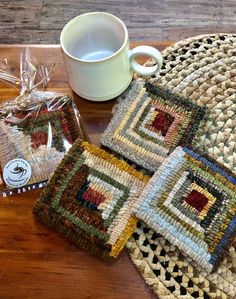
{"points": [[201, 69], [171, 275]]}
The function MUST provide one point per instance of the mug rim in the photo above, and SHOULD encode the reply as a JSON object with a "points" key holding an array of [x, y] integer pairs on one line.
{"points": [[93, 13]]}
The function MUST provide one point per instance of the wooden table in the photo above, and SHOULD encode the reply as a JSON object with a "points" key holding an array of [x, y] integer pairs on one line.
{"points": [[35, 261]]}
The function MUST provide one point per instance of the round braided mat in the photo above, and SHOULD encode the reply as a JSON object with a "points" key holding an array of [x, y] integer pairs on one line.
{"points": [[203, 69], [172, 275]]}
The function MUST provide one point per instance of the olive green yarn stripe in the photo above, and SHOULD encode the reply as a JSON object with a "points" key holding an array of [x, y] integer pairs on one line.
{"points": [[108, 179], [117, 185], [184, 224], [55, 122], [125, 130], [168, 95], [51, 220], [148, 137], [175, 176], [46, 117], [68, 160], [212, 179], [74, 219], [143, 134], [224, 211], [139, 104], [66, 181], [176, 173], [175, 108], [221, 219], [177, 201], [88, 228], [144, 144]]}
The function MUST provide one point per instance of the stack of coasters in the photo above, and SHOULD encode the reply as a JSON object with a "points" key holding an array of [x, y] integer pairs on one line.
{"points": [[149, 123], [191, 201], [89, 199], [40, 135]]}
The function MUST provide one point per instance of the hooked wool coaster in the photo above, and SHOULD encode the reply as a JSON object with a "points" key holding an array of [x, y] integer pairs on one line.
{"points": [[89, 199], [191, 201], [149, 123], [41, 136], [203, 69]]}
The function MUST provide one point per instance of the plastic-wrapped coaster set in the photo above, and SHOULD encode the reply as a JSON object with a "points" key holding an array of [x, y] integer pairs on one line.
{"points": [[191, 201], [36, 130], [150, 122], [89, 199], [202, 69]]}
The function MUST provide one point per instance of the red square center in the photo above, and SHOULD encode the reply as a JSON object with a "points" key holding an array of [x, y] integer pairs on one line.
{"points": [[196, 200], [162, 121]]}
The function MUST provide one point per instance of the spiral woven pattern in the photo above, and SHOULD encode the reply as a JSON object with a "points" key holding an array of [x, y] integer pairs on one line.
{"points": [[173, 276]]}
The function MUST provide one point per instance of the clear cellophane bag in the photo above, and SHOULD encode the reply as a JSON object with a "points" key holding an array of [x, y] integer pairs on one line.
{"points": [[37, 128]]}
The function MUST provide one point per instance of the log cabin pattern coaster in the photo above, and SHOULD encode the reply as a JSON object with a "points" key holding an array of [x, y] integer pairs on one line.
{"points": [[149, 123], [171, 275], [191, 201], [89, 199], [203, 69], [41, 136]]}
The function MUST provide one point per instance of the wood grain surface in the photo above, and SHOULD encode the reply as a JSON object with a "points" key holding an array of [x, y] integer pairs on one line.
{"points": [[35, 261], [40, 21]]}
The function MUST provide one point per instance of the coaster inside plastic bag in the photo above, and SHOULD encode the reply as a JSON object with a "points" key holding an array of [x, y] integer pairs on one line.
{"points": [[89, 199], [191, 201], [37, 128], [35, 139], [150, 122]]}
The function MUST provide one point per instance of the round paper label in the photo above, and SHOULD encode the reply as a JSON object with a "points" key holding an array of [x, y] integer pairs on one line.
{"points": [[17, 173]]}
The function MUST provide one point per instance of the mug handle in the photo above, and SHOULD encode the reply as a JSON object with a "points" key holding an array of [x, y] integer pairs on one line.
{"points": [[147, 51]]}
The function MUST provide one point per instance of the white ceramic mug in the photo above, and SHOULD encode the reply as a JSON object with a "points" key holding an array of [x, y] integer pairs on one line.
{"points": [[99, 62]]}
